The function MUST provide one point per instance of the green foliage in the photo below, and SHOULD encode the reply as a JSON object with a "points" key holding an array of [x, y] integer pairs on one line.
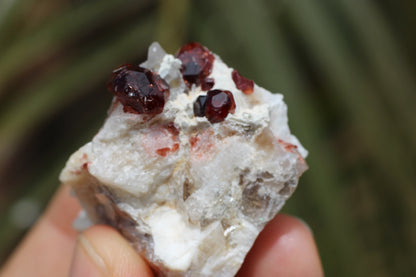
{"points": [[346, 69]]}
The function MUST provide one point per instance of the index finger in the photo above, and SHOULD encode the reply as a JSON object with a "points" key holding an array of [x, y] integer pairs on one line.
{"points": [[48, 248]]}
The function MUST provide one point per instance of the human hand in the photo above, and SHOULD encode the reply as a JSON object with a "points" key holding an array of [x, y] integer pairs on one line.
{"points": [[52, 248]]}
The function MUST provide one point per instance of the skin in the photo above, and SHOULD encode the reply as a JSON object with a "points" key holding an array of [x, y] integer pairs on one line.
{"points": [[52, 248]]}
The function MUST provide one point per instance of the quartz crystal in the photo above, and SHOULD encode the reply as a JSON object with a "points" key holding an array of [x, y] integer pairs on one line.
{"points": [[192, 183]]}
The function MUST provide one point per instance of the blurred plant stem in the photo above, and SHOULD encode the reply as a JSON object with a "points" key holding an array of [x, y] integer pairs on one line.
{"points": [[275, 56], [354, 91], [10, 12], [54, 34], [172, 24], [385, 58], [29, 107]]}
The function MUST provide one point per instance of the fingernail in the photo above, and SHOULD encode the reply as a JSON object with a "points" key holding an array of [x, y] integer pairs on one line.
{"points": [[86, 261]]}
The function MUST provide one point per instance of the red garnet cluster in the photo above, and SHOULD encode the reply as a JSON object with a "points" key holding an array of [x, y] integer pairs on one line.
{"points": [[139, 90], [215, 106], [142, 91], [197, 63]]}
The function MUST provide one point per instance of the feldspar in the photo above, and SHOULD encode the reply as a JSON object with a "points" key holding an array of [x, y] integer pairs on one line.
{"points": [[190, 186]]}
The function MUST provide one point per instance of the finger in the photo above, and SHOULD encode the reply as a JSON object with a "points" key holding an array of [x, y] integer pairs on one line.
{"points": [[102, 251], [284, 248], [47, 249]]}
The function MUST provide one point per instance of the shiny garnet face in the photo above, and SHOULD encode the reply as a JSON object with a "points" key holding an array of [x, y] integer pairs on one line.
{"points": [[197, 63], [219, 103], [140, 90]]}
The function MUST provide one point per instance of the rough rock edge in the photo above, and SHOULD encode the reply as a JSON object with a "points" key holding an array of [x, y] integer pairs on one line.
{"points": [[102, 205]]}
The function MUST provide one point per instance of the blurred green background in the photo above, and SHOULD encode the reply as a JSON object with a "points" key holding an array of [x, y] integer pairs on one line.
{"points": [[345, 67]]}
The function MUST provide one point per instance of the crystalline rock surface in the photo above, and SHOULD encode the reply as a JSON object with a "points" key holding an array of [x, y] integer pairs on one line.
{"points": [[190, 195]]}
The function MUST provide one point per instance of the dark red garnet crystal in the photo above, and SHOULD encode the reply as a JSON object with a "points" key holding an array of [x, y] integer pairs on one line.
{"points": [[207, 84], [242, 83], [197, 63], [199, 106], [138, 89], [218, 105]]}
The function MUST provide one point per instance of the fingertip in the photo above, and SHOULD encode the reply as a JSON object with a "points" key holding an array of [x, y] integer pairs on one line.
{"points": [[63, 210], [285, 247], [102, 251]]}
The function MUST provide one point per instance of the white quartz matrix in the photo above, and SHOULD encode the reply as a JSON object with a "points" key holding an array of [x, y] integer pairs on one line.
{"points": [[192, 202]]}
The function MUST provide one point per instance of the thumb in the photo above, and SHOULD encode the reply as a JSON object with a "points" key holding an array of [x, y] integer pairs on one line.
{"points": [[102, 251]]}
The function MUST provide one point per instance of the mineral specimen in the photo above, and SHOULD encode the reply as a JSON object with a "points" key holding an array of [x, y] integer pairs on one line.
{"points": [[188, 176]]}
